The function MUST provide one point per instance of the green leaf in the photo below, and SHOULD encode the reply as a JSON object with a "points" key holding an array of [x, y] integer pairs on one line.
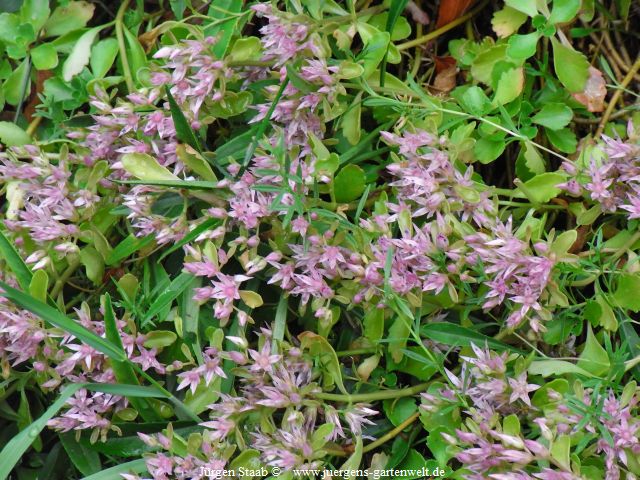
{"points": [[475, 101], [351, 121], [398, 410], [525, 6], [9, 25], [373, 323], [146, 168], [564, 11], [11, 135], [373, 52], [93, 263], [523, 46], [38, 286], [601, 313], [352, 465], [547, 368], [397, 337], [627, 292], [247, 48], [564, 139], [103, 54], [553, 115], [248, 460], [458, 336], [482, 66], [57, 319], [184, 132], [14, 87], [594, 358], [532, 159], [487, 150], [560, 449], [542, 188], [159, 338], [219, 10], [69, 17], [79, 56], [323, 352], [35, 12], [572, 67], [84, 459], [507, 21], [135, 54], [349, 183], [252, 299], [44, 57], [509, 86]]}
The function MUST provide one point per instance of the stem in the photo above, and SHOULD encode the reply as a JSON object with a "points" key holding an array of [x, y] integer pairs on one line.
{"points": [[618, 93], [33, 125], [57, 287], [392, 434], [436, 33], [373, 396], [122, 47], [357, 351]]}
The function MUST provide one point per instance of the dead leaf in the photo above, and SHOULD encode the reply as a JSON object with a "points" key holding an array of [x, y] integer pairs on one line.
{"points": [[449, 10], [445, 81], [594, 92]]}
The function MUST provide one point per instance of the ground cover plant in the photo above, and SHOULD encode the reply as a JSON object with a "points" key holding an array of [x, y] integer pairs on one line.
{"points": [[313, 235]]}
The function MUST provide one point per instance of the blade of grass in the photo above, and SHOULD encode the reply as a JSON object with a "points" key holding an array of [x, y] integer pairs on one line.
{"points": [[190, 313], [113, 473], [122, 370], [192, 235], [280, 323], [262, 126], [16, 263], [184, 132], [184, 184], [18, 445], [396, 8], [57, 319], [127, 247], [175, 288], [84, 459]]}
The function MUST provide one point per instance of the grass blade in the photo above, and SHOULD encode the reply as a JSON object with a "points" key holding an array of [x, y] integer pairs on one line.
{"points": [[13, 451], [189, 237], [84, 459], [175, 288], [190, 313], [16, 263], [396, 8], [184, 132], [122, 370], [113, 473], [57, 319], [456, 335]]}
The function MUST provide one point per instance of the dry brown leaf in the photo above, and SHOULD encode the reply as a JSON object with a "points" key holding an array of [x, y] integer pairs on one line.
{"points": [[449, 10], [594, 92], [445, 81]]}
